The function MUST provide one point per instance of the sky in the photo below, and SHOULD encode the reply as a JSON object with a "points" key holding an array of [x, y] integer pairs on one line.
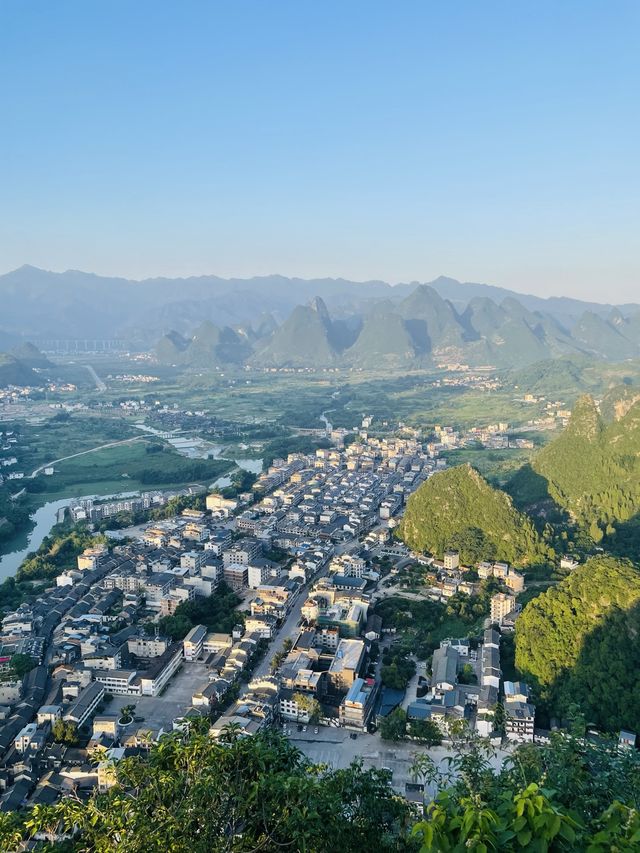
{"points": [[488, 141]]}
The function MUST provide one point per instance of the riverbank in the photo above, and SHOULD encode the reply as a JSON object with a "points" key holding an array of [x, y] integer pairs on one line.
{"points": [[15, 550]]}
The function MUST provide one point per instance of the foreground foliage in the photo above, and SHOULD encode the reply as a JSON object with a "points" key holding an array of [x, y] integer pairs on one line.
{"points": [[572, 794], [250, 794]]}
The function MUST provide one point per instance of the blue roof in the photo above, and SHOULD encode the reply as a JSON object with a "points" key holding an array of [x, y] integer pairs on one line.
{"points": [[389, 700], [419, 710]]}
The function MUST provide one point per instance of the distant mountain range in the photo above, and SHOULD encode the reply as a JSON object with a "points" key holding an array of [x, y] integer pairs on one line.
{"points": [[278, 321], [419, 330]]}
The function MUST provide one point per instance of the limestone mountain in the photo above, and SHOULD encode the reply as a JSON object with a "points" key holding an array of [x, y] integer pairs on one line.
{"points": [[31, 356], [42, 305], [209, 346], [500, 334], [606, 337], [170, 348], [15, 372], [433, 323], [458, 508], [305, 339], [592, 470], [587, 625], [384, 340]]}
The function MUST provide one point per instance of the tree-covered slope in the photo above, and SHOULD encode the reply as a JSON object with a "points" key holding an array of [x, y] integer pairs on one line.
{"points": [[580, 643], [592, 469], [384, 341], [15, 372], [303, 340], [30, 356], [432, 322], [458, 508]]}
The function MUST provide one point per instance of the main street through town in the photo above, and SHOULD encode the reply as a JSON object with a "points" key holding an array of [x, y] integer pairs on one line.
{"points": [[290, 627]]}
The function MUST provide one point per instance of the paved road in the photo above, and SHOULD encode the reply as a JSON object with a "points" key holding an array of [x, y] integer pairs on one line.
{"points": [[290, 627], [334, 747], [411, 693], [83, 452]]}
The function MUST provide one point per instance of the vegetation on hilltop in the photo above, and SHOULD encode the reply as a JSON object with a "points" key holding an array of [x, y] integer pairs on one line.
{"points": [[15, 372], [592, 470], [558, 377], [304, 339], [578, 644], [458, 508], [57, 552]]}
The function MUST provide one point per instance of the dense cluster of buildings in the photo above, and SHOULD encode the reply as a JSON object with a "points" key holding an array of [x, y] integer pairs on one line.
{"points": [[448, 576], [94, 639], [449, 700]]}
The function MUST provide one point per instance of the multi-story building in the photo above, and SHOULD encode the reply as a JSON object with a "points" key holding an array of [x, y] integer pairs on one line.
{"points": [[236, 576], [518, 711], [260, 570], [119, 681], [451, 560], [147, 647], [501, 604], [193, 642], [217, 503], [357, 706], [156, 677], [192, 560], [242, 553], [85, 705], [346, 664]]}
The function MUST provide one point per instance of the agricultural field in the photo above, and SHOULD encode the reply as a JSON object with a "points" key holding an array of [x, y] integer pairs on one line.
{"points": [[126, 467]]}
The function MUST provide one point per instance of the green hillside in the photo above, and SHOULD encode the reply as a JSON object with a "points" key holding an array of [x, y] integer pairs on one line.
{"points": [[170, 348], [554, 377], [14, 372], [579, 643], [303, 340], [592, 470], [458, 508], [431, 321], [383, 342], [31, 356], [605, 338]]}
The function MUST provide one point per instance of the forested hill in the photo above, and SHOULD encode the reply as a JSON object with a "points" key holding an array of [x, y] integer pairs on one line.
{"points": [[578, 643], [15, 372], [457, 508], [592, 470]]}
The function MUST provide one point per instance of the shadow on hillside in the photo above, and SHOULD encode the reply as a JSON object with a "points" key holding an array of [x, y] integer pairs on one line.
{"points": [[625, 542], [530, 493], [604, 682]]}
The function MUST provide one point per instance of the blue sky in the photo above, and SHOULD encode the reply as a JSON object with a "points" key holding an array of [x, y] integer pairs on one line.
{"points": [[489, 141]]}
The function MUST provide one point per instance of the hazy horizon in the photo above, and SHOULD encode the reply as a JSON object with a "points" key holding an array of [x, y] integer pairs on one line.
{"points": [[319, 277]]}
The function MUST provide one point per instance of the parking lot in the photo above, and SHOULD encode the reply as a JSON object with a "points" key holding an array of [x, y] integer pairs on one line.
{"points": [[160, 711], [335, 747]]}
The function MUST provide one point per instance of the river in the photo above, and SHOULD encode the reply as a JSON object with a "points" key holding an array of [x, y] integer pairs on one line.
{"points": [[327, 422], [43, 520], [46, 516], [200, 448]]}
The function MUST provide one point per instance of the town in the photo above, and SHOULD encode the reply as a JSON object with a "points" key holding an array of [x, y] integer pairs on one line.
{"points": [[306, 553]]}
